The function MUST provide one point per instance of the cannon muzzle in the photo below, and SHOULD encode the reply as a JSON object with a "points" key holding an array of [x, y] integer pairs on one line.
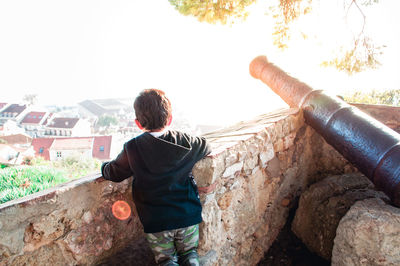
{"points": [[368, 144]]}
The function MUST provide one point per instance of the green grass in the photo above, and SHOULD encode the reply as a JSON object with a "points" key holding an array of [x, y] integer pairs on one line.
{"points": [[17, 182], [20, 181]]}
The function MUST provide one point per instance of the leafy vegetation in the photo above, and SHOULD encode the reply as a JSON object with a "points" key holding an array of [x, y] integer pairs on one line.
{"points": [[30, 99], [359, 54], [285, 14], [17, 182], [77, 166], [388, 97], [106, 121], [361, 57], [20, 181], [211, 11]]}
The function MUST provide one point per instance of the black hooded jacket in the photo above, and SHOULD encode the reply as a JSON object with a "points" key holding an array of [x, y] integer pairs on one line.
{"points": [[163, 188]]}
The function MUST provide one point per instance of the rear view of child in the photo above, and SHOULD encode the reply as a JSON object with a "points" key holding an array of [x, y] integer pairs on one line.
{"points": [[164, 191]]}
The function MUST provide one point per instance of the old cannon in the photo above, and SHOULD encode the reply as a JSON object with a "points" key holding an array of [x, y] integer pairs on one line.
{"points": [[368, 144]]}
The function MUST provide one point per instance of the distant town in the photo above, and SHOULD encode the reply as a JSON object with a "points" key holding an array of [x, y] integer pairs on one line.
{"points": [[92, 128]]}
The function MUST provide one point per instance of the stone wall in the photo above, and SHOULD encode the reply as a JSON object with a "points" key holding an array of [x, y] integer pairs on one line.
{"points": [[67, 225], [253, 177], [251, 180]]}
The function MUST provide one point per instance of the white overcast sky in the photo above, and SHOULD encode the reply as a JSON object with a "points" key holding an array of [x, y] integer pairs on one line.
{"points": [[69, 51]]}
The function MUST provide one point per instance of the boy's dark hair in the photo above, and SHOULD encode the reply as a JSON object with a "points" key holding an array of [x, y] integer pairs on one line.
{"points": [[152, 109]]}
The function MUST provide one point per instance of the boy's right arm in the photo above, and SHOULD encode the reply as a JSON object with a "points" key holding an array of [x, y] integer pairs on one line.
{"points": [[118, 169], [202, 147]]}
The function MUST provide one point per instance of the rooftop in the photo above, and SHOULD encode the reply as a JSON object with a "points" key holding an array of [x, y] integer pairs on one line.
{"points": [[2, 105], [33, 118], [100, 107], [93, 107], [72, 144], [17, 139], [41, 147], [14, 108], [63, 122], [100, 145]]}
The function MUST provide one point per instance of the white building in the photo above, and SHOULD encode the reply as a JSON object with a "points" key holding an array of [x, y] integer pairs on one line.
{"points": [[65, 147], [70, 127]]}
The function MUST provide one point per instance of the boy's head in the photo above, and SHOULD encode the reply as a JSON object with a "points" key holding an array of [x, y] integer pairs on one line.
{"points": [[153, 110]]}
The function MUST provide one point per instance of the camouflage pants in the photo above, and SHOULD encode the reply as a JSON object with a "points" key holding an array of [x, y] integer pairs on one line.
{"points": [[175, 246]]}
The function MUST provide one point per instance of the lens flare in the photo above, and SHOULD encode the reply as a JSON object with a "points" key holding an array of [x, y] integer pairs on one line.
{"points": [[121, 210]]}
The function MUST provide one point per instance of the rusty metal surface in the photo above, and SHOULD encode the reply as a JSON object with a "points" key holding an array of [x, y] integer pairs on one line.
{"points": [[291, 90], [367, 143]]}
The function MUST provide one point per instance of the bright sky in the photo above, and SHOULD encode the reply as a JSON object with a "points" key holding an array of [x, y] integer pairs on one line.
{"points": [[69, 51]]}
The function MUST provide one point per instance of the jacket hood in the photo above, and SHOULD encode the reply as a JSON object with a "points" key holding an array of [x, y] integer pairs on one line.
{"points": [[163, 154]]}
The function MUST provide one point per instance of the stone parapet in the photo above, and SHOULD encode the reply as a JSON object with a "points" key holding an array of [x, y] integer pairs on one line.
{"points": [[254, 175], [69, 224], [249, 182]]}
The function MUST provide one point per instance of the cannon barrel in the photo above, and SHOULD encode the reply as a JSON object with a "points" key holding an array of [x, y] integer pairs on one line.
{"points": [[368, 144]]}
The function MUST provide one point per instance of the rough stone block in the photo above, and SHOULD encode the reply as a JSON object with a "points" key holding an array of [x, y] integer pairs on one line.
{"points": [[225, 201], [279, 145], [369, 234], [289, 140], [250, 163], [273, 169], [231, 159], [267, 155], [207, 171], [231, 170], [212, 233], [323, 205]]}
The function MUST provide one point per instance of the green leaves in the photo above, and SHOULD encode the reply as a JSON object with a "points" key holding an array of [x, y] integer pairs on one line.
{"points": [[213, 11], [364, 55], [106, 121], [287, 15], [388, 97]]}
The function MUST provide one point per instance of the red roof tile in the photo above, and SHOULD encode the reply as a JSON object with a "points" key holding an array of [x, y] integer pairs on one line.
{"points": [[33, 118], [17, 139], [102, 147], [72, 144], [41, 147]]}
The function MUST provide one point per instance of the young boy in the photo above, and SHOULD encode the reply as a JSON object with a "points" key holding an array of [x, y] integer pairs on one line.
{"points": [[164, 191]]}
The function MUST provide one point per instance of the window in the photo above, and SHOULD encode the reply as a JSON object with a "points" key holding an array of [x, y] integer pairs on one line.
{"points": [[59, 155], [41, 150], [101, 148]]}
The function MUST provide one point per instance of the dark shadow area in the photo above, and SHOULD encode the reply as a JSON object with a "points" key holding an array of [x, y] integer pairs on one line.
{"points": [[288, 250], [133, 255]]}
